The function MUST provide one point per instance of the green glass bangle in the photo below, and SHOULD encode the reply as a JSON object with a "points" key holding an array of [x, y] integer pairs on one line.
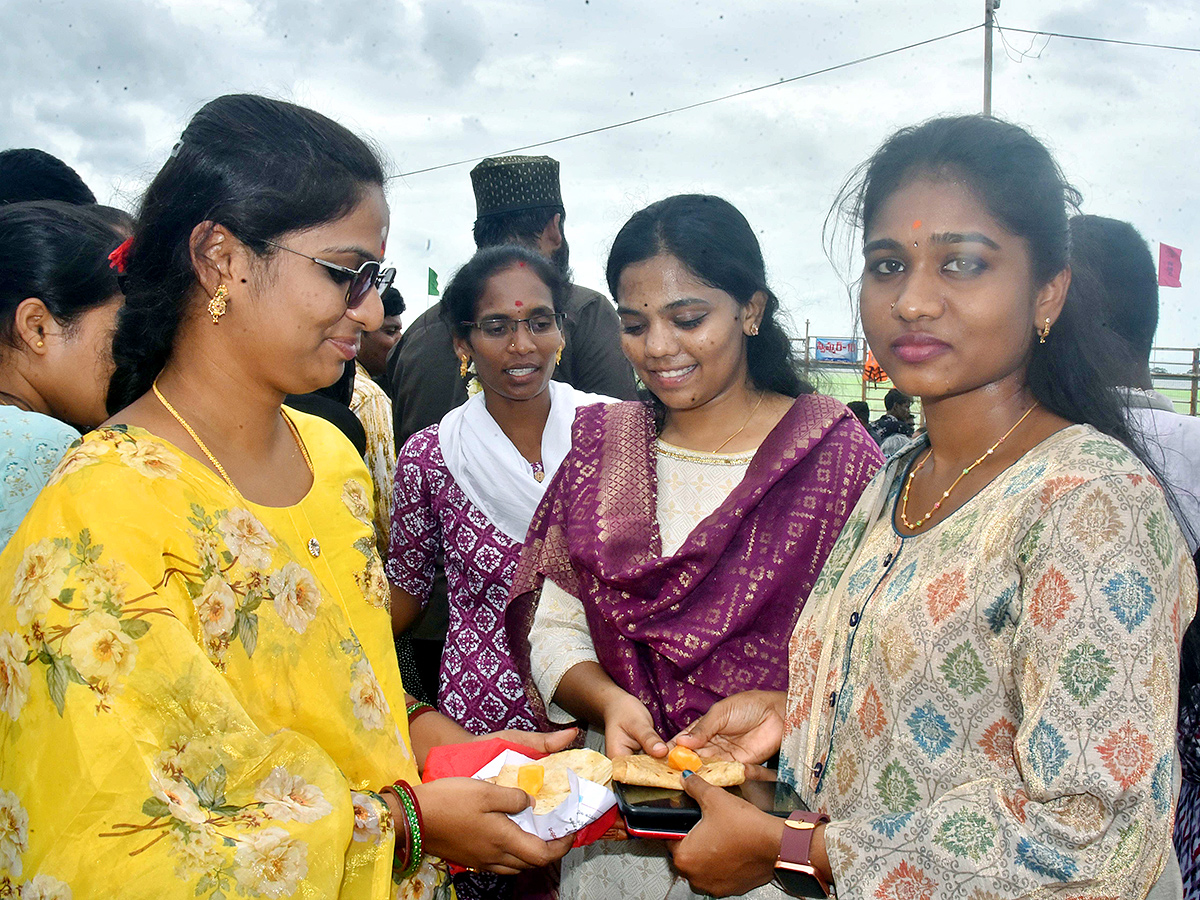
{"points": [[414, 829], [399, 863]]}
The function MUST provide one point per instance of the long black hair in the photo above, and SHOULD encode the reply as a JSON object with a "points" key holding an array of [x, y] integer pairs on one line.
{"points": [[257, 166], [1017, 180], [57, 252], [713, 240]]}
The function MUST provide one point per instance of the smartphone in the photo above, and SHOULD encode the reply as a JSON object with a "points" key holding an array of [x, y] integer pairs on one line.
{"points": [[669, 815]]}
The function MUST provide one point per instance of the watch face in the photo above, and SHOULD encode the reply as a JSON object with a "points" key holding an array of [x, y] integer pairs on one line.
{"points": [[800, 884]]}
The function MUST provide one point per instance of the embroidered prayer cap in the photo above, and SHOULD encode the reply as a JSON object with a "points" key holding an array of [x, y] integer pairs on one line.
{"points": [[505, 184]]}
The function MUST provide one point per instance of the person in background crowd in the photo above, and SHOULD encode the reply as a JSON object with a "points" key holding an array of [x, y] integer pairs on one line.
{"points": [[670, 557], [118, 220], [58, 305], [1118, 279], [1115, 269], [518, 200], [982, 690], [197, 622], [467, 487], [376, 345], [897, 417], [371, 405], [862, 411], [30, 174]]}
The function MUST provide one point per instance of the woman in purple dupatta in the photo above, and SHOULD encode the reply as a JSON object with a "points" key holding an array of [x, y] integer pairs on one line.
{"points": [[683, 631], [673, 551]]}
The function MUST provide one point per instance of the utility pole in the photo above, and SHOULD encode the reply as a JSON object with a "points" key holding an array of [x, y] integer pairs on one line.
{"points": [[989, 18]]}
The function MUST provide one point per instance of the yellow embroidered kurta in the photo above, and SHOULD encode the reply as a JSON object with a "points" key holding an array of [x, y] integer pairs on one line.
{"points": [[198, 694]]}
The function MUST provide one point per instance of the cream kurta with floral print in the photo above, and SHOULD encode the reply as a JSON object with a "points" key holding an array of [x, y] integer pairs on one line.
{"points": [[197, 694], [987, 709]]}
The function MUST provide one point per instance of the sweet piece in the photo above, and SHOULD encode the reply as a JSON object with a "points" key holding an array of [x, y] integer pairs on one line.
{"points": [[681, 758], [531, 778]]}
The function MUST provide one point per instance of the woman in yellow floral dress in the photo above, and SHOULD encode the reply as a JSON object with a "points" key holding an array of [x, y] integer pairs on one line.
{"points": [[198, 693]]}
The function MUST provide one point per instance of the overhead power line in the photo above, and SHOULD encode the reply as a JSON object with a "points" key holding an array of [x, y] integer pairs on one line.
{"points": [[679, 109], [1100, 40], [783, 81]]}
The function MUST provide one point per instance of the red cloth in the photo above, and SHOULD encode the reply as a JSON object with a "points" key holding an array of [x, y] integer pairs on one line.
{"points": [[1170, 265]]}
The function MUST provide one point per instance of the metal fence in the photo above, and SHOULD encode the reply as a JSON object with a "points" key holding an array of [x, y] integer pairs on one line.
{"points": [[1175, 372]]}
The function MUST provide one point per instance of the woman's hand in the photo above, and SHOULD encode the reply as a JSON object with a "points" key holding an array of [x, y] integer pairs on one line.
{"points": [[548, 742], [588, 692], [734, 846], [746, 727], [466, 822], [629, 729]]}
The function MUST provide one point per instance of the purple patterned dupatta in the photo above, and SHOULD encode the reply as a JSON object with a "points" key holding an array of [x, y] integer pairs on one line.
{"points": [[682, 632]]}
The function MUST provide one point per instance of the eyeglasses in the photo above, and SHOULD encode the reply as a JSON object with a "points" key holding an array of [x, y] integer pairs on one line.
{"points": [[539, 325], [370, 274]]}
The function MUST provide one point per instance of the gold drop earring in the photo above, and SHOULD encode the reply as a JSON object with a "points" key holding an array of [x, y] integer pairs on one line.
{"points": [[462, 369], [558, 356], [217, 305]]}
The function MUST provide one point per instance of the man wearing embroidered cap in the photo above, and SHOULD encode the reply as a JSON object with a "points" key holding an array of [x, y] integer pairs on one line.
{"points": [[518, 200]]}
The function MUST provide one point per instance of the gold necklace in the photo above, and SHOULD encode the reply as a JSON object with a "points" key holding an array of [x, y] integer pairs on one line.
{"points": [[761, 397], [314, 546], [965, 472]]}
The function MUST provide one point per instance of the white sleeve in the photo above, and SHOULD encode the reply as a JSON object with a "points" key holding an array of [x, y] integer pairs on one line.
{"points": [[558, 640]]}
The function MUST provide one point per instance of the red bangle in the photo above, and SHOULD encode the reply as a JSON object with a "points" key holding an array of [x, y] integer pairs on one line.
{"points": [[416, 710]]}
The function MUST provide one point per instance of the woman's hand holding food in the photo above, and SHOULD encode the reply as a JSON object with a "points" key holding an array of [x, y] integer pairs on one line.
{"points": [[466, 822], [629, 729], [746, 727]]}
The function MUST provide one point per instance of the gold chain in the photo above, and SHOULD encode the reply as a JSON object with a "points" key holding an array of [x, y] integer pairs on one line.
{"points": [[761, 397], [204, 447], [965, 472]]}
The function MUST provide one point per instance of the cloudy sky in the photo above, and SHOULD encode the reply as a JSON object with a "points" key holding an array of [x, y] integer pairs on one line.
{"points": [[108, 86]]}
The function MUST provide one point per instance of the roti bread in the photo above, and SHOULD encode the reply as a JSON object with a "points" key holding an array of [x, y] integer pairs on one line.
{"points": [[586, 764], [646, 771]]}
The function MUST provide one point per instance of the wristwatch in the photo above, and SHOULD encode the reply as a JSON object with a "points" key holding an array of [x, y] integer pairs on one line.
{"points": [[794, 873]]}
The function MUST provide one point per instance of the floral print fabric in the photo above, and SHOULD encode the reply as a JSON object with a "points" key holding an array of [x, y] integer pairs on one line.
{"points": [[198, 691], [987, 709], [374, 409]]}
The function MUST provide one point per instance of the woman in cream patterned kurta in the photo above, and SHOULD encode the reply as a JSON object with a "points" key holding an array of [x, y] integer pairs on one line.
{"points": [[982, 686]]}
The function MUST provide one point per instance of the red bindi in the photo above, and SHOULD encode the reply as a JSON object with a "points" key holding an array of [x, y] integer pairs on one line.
{"points": [[519, 304], [916, 224], [521, 264]]}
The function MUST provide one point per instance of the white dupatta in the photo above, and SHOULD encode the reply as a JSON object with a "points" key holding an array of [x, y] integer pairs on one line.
{"points": [[491, 471]]}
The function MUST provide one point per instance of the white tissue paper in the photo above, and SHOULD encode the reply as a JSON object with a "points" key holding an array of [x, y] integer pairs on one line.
{"points": [[586, 803]]}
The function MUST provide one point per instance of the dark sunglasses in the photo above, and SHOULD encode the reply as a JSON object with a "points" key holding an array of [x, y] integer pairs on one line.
{"points": [[359, 282]]}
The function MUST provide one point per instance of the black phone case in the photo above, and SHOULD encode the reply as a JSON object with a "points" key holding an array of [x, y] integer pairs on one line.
{"points": [[661, 813]]}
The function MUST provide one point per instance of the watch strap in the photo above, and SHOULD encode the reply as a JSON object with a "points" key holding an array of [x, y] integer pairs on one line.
{"points": [[794, 866]]}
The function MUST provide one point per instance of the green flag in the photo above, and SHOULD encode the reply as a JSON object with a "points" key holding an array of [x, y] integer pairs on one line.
{"points": [[433, 285]]}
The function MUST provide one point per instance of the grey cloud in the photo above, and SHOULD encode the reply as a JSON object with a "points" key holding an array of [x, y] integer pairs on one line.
{"points": [[454, 40]]}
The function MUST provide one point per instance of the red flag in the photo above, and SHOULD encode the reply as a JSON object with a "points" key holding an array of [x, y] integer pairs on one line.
{"points": [[1170, 265]]}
